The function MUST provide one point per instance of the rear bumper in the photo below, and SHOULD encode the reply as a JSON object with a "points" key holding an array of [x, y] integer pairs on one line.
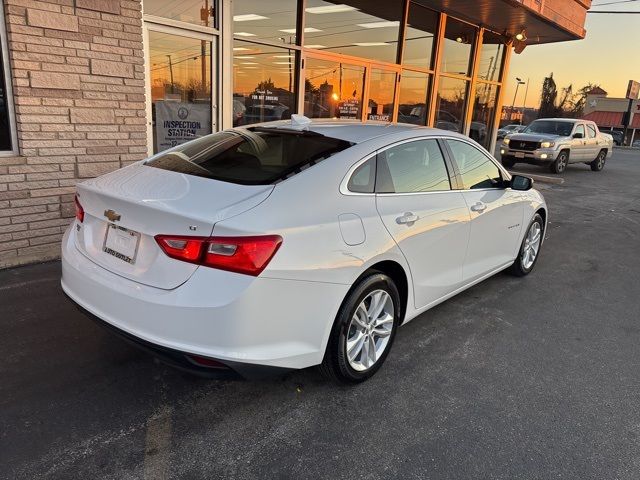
{"points": [[238, 320]]}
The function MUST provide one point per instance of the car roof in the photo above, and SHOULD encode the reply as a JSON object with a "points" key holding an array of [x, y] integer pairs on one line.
{"points": [[352, 130]]}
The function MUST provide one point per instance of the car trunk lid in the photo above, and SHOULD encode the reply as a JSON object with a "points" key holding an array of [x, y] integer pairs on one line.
{"points": [[126, 209]]}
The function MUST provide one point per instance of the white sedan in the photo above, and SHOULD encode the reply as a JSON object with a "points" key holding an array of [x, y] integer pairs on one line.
{"points": [[295, 243]]}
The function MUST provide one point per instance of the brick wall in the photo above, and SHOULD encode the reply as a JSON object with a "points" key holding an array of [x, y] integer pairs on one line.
{"points": [[77, 68]]}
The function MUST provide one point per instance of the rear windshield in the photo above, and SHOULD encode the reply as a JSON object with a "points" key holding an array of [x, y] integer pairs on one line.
{"points": [[550, 127], [254, 156]]}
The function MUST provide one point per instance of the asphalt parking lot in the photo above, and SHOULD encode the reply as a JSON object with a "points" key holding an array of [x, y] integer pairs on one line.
{"points": [[531, 378]]}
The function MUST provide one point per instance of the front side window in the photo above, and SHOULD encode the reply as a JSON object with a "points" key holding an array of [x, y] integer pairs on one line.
{"points": [[476, 169], [252, 156], [5, 126], [412, 167], [580, 130]]}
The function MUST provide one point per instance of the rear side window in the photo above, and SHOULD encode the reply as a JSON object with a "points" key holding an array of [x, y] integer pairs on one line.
{"points": [[254, 156], [363, 178], [412, 167], [476, 169], [592, 131]]}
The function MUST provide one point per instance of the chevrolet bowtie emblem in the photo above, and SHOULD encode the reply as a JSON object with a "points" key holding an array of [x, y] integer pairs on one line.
{"points": [[112, 215]]}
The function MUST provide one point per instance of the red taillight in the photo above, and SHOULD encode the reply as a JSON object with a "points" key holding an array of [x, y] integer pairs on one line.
{"points": [[79, 210], [247, 255]]}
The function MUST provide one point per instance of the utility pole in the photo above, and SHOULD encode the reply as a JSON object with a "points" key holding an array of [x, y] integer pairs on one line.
{"points": [[171, 73]]}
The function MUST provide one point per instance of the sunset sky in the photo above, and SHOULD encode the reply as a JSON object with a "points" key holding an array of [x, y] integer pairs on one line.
{"points": [[609, 55]]}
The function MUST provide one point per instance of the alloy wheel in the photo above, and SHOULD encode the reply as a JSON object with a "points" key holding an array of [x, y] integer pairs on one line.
{"points": [[531, 246], [369, 330]]}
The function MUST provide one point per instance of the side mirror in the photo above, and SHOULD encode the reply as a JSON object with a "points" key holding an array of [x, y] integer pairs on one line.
{"points": [[520, 182], [578, 135]]}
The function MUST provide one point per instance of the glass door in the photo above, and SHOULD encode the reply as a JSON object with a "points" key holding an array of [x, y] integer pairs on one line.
{"points": [[180, 85], [381, 93]]}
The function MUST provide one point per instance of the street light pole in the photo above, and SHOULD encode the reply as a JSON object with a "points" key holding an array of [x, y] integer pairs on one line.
{"points": [[520, 82]]}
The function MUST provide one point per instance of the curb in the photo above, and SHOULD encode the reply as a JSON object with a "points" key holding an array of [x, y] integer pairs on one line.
{"points": [[540, 178]]}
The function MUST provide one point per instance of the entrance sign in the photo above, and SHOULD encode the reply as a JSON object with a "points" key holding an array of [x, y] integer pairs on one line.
{"points": [[178, 122]]}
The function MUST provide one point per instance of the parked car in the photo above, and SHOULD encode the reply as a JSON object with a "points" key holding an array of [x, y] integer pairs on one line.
{"points": [[507, 129], [618, 137], [557, 142], [636, 143], [295, 243]]}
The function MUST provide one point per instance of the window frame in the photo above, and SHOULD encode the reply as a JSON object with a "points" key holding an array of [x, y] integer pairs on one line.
{"points": [[506, 176], [8, 87]]}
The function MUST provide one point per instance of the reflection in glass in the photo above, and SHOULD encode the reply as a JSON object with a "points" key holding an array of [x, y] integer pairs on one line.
{"points": [[422, 25], [456, 55], [346, 28], [200, 12], [414, 88], [484, 112], [272, 20], [491, 55], [333, 90], [5, 130], [180, 74], [382, 85], [450, 104], [263, 83]]}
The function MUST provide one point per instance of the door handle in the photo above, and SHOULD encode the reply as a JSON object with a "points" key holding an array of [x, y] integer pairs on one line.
{"points": [[479, 207], [407, 218]]}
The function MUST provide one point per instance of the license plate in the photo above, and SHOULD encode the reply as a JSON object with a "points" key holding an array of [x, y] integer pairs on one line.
{"points": [[519, 154], [122, 243]]}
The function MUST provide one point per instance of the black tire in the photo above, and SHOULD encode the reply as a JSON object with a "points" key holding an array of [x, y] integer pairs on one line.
{"points": [[598, 164], [508, 162], [518, 268], [560, 164], [335, 364]]}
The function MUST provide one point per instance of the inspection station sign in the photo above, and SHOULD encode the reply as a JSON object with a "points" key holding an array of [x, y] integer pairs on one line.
{"points": [[178, 122]]}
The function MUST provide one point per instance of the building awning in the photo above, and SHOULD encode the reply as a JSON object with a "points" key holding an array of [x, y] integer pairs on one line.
{"points": [[544, 22], [605, 119], [635, 122]]}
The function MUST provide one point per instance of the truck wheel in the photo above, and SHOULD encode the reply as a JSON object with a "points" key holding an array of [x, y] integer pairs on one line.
{"points": [[560, 165], [508, 162], [598, 164]]}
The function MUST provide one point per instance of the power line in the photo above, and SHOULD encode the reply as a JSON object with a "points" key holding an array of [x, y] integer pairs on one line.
{"points": [[614, 3]]}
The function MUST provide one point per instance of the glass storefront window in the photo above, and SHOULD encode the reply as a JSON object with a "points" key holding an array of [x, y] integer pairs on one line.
{"points": [[422, 26], [263, 83], [491, 56], [272, 20], [414, 88], [345, 28], [484, 113], [200, 12], [382, 85], [333, 90], [456, 55], [180, 74], [450, 104]]}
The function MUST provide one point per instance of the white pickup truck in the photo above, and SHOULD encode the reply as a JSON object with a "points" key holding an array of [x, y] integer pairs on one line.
{"points": [[557, 142]]}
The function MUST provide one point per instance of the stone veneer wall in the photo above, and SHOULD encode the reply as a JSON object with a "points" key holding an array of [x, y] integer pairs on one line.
{"points": [[77, 68]]}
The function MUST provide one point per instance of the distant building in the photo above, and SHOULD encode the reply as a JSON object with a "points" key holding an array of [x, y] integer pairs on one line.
{"points": [[607, 113]]}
